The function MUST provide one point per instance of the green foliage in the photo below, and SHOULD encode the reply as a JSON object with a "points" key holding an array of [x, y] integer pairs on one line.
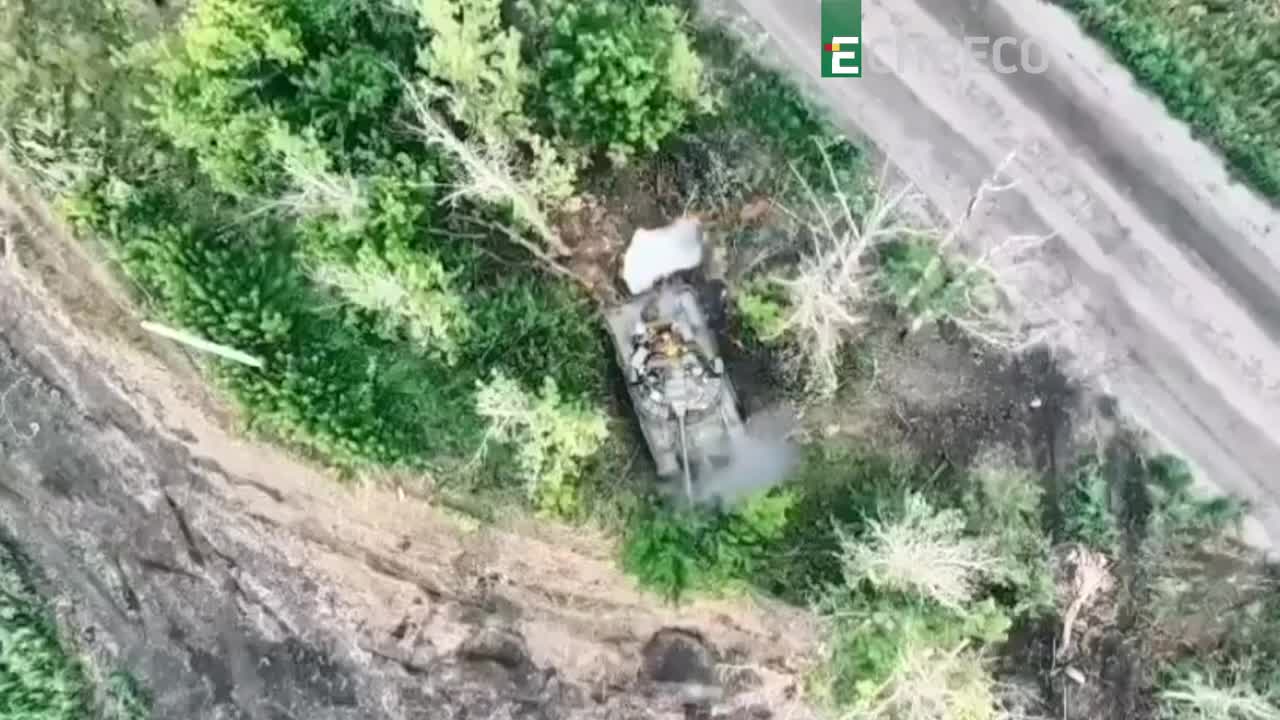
{"points": [[922, 550], [240, 70], [874, 637], [914, 614], [275, 204], [1084, 508], [613, 76], [1215, 65], [925, 286], [38, 680], [840, 489], [1177, 517], [553, 439], [407, 292], [476, 65], [479, 59], [62, 91], [763, 309], [1005, 503], [677, 551]]}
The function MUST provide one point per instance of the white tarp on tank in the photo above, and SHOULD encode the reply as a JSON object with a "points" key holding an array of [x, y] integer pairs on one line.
{"points": [[657, 253]]}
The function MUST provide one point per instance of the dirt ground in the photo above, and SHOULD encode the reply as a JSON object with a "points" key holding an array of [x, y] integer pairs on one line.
{"points": [[236, 581]]}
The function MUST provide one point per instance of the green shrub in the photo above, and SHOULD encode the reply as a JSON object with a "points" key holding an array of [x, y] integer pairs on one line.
{"points": [[241, 71], [277, 206], [1084, 508], [888, 650], [925, 286], [1215, 65], [64, 98], [763, 310], [921, 550], [614, 76], [1177, 517], [768, 121], [553, 439], [674, 552], [1005, 504], [408, 293], [38, 680], [840, 489]]}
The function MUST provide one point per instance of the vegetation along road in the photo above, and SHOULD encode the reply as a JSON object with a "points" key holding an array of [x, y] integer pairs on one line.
{"points": [[1159, 272]]}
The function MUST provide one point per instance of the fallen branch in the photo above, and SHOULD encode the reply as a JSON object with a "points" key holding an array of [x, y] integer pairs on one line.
{"points": [[201, 344], [1089, 577], [541, 255]]}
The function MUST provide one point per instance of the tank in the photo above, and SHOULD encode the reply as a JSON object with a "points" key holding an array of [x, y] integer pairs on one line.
{"points": [[685, 403]]}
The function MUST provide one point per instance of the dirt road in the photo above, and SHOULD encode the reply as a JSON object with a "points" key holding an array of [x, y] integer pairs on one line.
{"points": [[1162, 279]]}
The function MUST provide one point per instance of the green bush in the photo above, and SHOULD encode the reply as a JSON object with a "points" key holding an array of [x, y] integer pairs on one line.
{"points": [[613, 76], [553, 440], [879, 641], [240, 71], [763, 310], [764, 110], [838, 488], [1215, 65], [925, 286], [1177, 517], [1005, 504], [38, 680], [63, 93], [674, 552], [1084, 508]]}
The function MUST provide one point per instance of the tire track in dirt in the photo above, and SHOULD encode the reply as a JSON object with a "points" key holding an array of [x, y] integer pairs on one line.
{"points": [[1162, 281]]}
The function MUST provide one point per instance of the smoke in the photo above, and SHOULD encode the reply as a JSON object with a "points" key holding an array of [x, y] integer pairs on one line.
{"points": [[762, 458]]}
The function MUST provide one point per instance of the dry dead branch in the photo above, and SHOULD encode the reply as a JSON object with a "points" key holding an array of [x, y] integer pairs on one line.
{"points": [[985, 312], [487, 164], [834, 285], [831, 290], [1090, 575]]}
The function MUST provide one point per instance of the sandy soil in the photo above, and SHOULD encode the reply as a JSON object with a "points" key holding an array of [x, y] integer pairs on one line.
{"points": [[1161, 282], [239, 582]]}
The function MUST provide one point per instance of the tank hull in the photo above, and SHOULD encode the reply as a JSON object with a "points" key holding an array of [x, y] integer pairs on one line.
{"points": [[712, 420]]}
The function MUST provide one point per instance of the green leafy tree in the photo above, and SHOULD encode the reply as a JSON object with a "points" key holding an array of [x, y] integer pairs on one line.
{"points": [[615, 76], [553, 438]]}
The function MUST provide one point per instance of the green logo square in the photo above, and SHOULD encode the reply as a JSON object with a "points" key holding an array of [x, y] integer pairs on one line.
{"points": [[841, 38]]}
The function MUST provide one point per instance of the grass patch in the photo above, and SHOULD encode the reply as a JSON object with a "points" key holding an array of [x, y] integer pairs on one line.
{"points": [[38, 678], [1216, 65]]}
